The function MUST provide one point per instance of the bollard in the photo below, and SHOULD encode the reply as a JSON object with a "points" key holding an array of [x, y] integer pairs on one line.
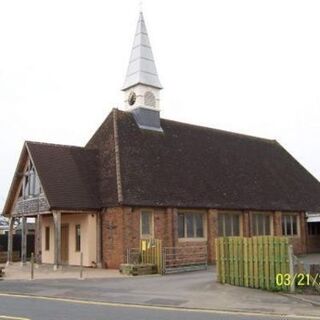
{"points": [[81, 265], [32, 266]]}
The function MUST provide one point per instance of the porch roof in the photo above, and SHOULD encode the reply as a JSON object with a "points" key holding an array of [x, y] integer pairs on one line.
{"points": [[68, 175]]}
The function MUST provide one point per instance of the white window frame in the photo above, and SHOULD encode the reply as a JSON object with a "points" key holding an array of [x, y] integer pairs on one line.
{"points": [[291, 216], [151, 235], [254, 226], [204, 224], [231, 213]]}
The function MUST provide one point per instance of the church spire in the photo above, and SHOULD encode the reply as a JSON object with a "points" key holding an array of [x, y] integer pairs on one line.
{"points": [[142, 86], [142, 68]]}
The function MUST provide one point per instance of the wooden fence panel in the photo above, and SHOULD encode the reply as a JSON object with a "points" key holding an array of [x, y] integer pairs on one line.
{"points": [[252, 262], [151, 252]]}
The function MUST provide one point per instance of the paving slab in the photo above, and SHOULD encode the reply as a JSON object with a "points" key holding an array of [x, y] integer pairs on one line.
{"points": [[16, 271]]}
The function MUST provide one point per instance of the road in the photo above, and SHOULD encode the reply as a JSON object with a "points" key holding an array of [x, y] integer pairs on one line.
{"points": [[39, 308]]}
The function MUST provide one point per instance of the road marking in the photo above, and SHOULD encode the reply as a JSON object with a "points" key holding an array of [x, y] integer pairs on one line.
{"points": [[13, 318], [149, 307]]}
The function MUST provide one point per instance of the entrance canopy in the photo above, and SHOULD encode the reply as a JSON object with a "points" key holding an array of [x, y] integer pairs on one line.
{"points": [[313, 216]]}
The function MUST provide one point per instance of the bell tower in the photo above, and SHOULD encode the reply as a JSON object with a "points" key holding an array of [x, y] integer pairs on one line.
{"points": [[142, 85]]}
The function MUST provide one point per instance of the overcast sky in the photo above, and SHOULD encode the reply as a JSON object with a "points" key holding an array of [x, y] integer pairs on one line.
{"points": [[246, 66]]}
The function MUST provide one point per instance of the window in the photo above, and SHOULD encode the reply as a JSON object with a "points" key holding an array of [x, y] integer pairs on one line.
{"points": [[146, 224], [190, 225], [229, 224], [289, 225], [314, 228], [78, 237], [31, 183], [47, 240], [261, 223]]}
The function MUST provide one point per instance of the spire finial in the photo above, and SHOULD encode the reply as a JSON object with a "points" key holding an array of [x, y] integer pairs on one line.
{"points": [[140, 6]]}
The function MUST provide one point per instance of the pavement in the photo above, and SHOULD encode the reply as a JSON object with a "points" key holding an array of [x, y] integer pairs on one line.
{"points": [[310, 258], [16, 271], [193, 290]]}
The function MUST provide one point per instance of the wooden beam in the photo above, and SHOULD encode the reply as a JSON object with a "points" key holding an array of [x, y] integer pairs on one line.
{"points": [[38, 239], [23, 240], [57, 239], [10, 241]]}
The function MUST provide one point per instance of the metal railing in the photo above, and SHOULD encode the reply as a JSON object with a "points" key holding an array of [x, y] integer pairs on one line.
{"points": [[172, 259], [183, 259]]}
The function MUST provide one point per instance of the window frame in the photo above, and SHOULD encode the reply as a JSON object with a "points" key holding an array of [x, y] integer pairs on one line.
{"points": [[253, 224], [47, 238], [230, 213], [204, 225], [151, 234], [78, 237], [284, 216]]}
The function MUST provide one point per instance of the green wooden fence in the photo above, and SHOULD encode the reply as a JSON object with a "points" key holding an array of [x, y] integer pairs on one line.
{"points": [[252, 262]]}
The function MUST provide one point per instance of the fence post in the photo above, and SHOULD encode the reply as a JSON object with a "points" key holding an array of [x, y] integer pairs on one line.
{"points": [[81, 265], [164, 261], [32, 266], [291, 268]]}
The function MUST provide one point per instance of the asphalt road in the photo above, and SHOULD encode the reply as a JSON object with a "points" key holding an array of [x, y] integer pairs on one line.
{"points": [[23, 308]]}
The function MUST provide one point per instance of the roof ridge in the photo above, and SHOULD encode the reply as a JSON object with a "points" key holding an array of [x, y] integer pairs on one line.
{"points": [[243, 135], [223, 131], [117, 155], [54, 144], [99, 127]]}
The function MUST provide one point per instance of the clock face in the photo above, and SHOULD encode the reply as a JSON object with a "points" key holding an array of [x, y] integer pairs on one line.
{"points": [[132, 98]]}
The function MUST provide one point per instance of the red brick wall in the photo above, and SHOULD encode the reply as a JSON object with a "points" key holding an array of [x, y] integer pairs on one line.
{"points": [[113, 249], [125, 233], [246, 230], [313, 244], [212, 226]]}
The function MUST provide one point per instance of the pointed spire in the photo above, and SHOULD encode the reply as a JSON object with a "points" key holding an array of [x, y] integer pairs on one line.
{"points": [[142, 68]]}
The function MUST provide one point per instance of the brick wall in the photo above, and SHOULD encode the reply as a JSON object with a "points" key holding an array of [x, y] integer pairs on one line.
{"points": [[113, 250], [212, 225], [121, 230], [313, 243]]}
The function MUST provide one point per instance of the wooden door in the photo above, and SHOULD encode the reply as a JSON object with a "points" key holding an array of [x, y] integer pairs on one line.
{"points": [[64, 244]]}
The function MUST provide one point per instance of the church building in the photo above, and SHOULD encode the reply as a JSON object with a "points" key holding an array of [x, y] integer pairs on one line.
{"points": [[141, 177]]}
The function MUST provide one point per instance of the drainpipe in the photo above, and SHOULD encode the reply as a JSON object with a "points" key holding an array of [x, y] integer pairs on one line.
{"points": [[101, 214]]}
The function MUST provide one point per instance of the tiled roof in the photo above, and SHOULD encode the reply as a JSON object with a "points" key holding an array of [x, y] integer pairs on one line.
{"points": [[185, 166], [192, 166], [69, 175]]}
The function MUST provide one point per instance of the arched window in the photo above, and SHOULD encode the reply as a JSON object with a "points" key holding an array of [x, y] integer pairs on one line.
{"points": [[31, 183], [149, 99]]}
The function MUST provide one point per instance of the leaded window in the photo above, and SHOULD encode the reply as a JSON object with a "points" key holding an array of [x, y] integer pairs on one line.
{"points": [[190, 225]]}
